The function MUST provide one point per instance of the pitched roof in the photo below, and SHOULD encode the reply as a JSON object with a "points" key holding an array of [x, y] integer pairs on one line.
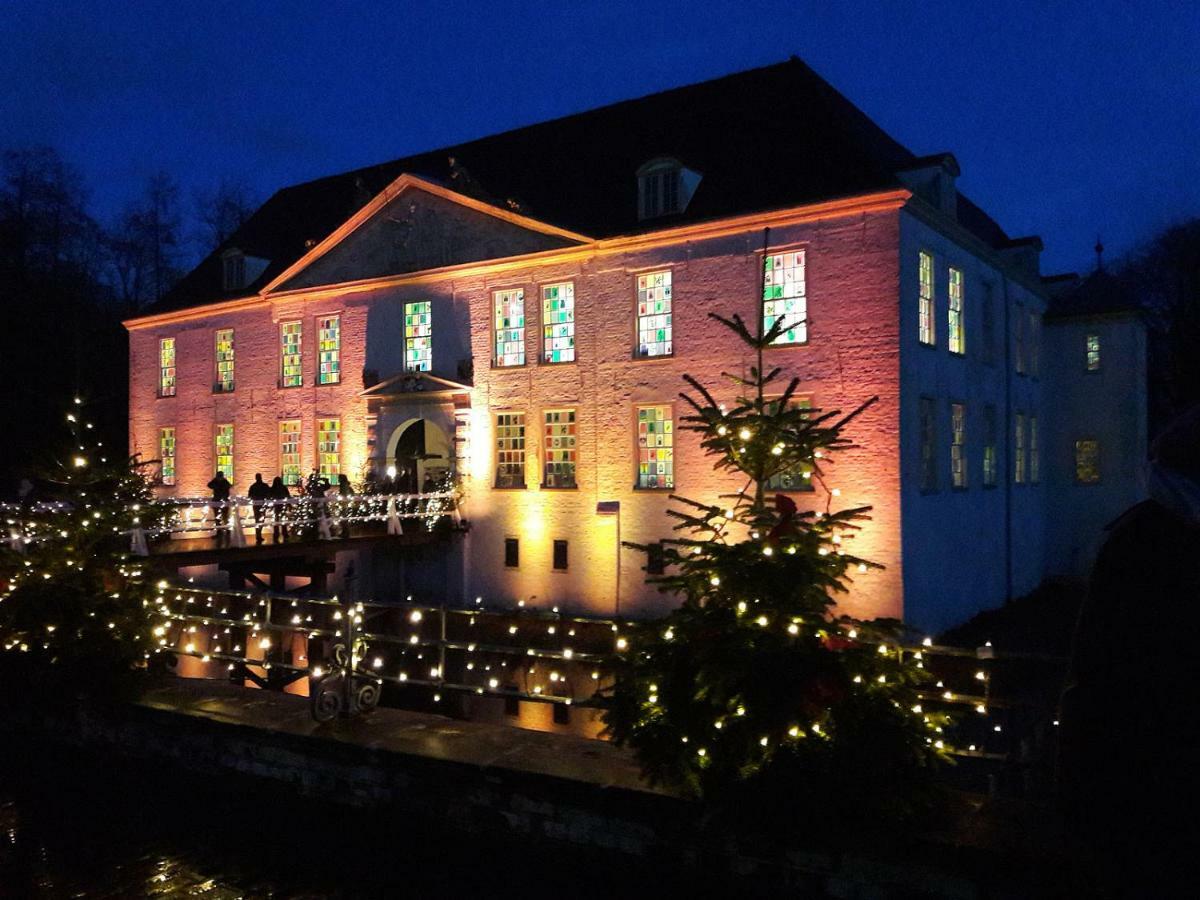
{"points": [[763, 139], [1101, 293]]}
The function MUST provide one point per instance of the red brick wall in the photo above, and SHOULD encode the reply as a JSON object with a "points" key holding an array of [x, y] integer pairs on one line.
{"points": [[852, 354]]}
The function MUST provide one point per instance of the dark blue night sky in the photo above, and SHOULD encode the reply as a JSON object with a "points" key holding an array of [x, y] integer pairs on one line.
{"points": [[1067, 118]]}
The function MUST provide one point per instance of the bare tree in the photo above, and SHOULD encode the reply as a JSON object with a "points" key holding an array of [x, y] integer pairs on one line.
{"points": [[146, 243], [1165, 277], [220, 211]]}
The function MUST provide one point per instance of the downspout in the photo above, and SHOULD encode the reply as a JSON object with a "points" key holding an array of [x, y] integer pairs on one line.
{"points": [[1009, 462]]}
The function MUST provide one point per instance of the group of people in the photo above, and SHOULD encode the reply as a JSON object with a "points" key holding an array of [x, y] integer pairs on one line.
{"points": [[264, 497]]}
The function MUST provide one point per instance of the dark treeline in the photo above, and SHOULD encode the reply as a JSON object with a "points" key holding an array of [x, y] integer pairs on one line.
{"points": [[66, 282]]}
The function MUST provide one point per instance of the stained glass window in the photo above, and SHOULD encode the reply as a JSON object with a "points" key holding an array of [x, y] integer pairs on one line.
{"points": [[784, 296], [1019, 448], [797, 478], [655, 447], [329, 448], [989, 446], [224, 357], [558, 323], [956, 331], [1092, 352], [166, 365], [418, 336], [559, 445], [166, 453], [958, 445], [224, 445], [1087, 461], [329, 348], [925, 298], [510, 450], [654, 314], [292, 373], [509, 327], [928, 430], [289, 451]]}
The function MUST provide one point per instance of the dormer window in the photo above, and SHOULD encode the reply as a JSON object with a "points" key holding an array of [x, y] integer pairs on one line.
{"points": [[233, 272], [665, 187]]}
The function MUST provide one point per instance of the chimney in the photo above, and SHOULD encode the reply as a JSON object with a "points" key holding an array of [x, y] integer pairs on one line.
{"points": [[932, 179], [1023, 254]]}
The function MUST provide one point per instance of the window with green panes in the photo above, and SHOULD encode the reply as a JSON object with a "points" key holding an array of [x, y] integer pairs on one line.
{"points": [[166, 367], [785, 296], [224, 444], [289, 451], [291, 372], [509, 327], [418, 336], [797, 478], [329, 448], [329, 350], [558, 322], [956, 334], [510, 450], [925, 320], [166, 453], [224, 357], [559, 446], [655, 447], [654, 314]]}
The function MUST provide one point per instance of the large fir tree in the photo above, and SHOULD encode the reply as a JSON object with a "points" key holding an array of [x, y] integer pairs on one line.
{"points": [[753, 695], [72, 596]]}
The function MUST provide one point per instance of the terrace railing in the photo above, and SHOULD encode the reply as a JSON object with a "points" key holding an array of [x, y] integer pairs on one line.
{"points": [[1003, 704]]}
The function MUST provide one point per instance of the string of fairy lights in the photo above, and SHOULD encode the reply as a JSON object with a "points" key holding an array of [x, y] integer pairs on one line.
{"points": [[193, 516], [539, 657]]}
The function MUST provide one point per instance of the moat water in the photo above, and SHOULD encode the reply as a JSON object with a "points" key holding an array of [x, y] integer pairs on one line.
{"points": [[75, 826]]}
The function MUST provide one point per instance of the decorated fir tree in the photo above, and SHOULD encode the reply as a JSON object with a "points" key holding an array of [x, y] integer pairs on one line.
{"points": [[753, 695], [71, 595]]}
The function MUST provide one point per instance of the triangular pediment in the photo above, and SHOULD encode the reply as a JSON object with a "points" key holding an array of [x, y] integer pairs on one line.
{"points": [[415, 225]]}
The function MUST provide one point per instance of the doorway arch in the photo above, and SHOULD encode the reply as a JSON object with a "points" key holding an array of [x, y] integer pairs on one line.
{"points": [[421, 453]]}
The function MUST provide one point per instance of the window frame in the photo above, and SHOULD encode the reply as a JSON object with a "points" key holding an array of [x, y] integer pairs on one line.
{"points": [[232, 449], [637, 459], [762, 300], [1035, 461], [514, 543], [956, 318], [283, 324], [959, 478], [496, 450], [544, 450], [990, 476], [566, 555], [318, 433], [299, 451], [931, 314], [807, 399], [408, 339], [542, 324], [163, 456], [495, 329], [1097, 463], [1091, 366], [318, 325], [163, 392], [637, 317], [1020, 447], [218, 384], [928, 480]]}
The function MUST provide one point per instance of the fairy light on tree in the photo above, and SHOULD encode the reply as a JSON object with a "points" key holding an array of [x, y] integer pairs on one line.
{"points": [[72, 596], [752, 695]]}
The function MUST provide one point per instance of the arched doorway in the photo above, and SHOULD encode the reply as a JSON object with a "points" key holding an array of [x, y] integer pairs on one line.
{"points": [[421, 454]]}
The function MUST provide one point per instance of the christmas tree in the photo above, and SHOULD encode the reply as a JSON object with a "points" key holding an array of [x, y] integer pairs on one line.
{"points": [[752, 695], [72, 599]]}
